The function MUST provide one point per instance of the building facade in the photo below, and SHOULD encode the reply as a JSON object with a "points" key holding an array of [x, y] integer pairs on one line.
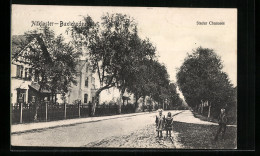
{"points": [[24, 78], [85, 89]]}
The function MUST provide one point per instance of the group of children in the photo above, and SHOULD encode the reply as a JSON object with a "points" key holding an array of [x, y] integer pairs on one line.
{"points": [[163, 123]]}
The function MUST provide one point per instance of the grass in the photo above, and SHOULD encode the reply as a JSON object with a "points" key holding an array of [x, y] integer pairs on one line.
{"points": [[204, 118], [231, 121], [197, 136]]}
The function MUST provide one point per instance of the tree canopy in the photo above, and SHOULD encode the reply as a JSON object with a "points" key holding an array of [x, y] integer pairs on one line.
{"points": [[52, 59], [114, 49], [201, 78]]}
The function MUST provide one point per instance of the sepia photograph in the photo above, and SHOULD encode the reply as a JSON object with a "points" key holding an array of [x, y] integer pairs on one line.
{"points": [[123, 77]]}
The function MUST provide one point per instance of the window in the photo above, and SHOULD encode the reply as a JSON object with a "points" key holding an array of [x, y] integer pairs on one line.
{"points": [[21, 95], [86, 82], [30, 74], [85, 98], [18, 68], [19, 71], [25, 73]]}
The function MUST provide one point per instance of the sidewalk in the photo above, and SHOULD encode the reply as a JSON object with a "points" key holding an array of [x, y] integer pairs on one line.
{"points": [[20, 128]]}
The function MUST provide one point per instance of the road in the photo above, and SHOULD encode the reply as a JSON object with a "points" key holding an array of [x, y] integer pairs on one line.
{"points": [[85, 134], [134, 131]]}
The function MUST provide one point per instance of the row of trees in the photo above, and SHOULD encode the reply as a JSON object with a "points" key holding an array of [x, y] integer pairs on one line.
{"points": [[202, 80], [116, 53]]}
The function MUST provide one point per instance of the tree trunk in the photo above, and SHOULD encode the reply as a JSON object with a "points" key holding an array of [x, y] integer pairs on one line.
{"points": [[209, 111], [136, 102], [163, 105], [37, 103], [96, 99], [55, 98], [36, 110], [143, 102], [121, 99], [120, 102], [94, 103], [202, 108]]}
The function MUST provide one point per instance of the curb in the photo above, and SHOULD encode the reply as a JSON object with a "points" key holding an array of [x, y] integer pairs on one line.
{"points": [[76, 123]]}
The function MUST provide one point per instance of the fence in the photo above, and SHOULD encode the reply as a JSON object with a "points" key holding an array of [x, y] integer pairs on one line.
{"points": [[51, 112]]}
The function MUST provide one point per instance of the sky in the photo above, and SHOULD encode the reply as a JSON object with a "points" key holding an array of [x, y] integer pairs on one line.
{"points": [[174, 31]]}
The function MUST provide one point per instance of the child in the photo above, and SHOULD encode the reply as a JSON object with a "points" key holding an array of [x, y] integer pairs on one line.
{"points": [[168, 124], [160, 119]]}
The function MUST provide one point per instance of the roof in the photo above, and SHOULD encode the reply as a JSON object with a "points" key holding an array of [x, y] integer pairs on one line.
{"points": [[23, 85], [36, 87], [20, 42]]}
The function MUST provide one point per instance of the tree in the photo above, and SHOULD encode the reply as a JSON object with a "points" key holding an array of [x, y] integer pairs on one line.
{"points": [[174, 97], [52, 59], [140, 51], [200, 78], [160, 79], [111, 49], [149, 79], [65, 59], [137, 83]]}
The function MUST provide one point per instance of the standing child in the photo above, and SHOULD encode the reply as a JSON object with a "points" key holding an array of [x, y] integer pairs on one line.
{"points": [[168, 124], [160, 119]]}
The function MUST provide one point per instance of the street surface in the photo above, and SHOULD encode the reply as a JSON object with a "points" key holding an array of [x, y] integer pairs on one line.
{"points": [[127, 132]]}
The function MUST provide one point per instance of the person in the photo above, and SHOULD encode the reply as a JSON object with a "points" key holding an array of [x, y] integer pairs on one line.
{"points": [[160, 119], [222, 121], [168, 124]]}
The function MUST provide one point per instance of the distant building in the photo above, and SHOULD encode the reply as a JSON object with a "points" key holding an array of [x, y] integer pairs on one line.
{"points": [[85, 89]]}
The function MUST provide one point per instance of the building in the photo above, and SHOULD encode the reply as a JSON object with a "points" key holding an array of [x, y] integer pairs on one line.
{"points": [[24, 78], [24, 86], [85, 89]]}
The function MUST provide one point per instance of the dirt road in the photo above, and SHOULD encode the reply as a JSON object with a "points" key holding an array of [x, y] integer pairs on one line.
{"points": [[87, 134]]}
